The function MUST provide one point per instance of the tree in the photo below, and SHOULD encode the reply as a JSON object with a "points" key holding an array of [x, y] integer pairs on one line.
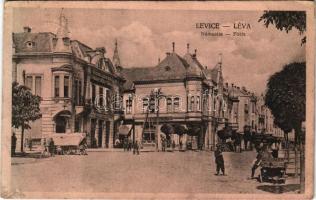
{"points": [[286, 98], [286, 20], [25, 108]]}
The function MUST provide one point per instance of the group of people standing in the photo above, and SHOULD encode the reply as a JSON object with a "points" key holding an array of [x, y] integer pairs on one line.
{"points": [[128, 145]]}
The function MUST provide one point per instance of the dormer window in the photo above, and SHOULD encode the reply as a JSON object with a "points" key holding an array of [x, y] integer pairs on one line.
{"points": [[30, 44]]}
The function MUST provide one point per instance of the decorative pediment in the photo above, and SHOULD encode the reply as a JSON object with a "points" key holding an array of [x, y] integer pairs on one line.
{"points": [[65, 67]]}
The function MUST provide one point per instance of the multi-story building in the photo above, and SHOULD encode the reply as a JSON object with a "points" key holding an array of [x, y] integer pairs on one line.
{"points": [[70, 77], [190, 95]]}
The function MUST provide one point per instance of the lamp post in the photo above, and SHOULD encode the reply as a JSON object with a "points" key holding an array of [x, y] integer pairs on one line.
{"points": [[157, 94]]}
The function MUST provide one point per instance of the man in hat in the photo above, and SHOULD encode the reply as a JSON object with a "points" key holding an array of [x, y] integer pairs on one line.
{"points": [[219, 160]]}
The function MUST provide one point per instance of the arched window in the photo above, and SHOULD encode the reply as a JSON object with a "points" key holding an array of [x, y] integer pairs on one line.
{"points": [[191, 107], [198, 103], [176, 104], [169, 104]]}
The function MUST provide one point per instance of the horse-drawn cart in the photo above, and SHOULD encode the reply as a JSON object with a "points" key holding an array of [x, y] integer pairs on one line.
{"points": [[272, 170], [70, 143]]}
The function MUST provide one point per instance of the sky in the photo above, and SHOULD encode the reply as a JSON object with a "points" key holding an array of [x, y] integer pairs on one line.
{"points": [[144, 36]]}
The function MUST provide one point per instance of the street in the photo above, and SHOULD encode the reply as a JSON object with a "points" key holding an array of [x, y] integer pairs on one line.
{"points": [[156, 172]]}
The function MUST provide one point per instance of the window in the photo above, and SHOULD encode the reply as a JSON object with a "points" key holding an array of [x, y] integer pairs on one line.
{"points": [[169, 104], [29, 82], [56, 82], [129, 103], [101, 96], [198, 103], [145, 104], [66, 86], [80, 92], [107, 98], [152, 104], [191, 105], [176, 103], [38, 85], [29, 44], [93, 93]]}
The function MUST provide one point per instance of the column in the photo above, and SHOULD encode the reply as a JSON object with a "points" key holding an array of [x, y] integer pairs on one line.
{"points": [[158, 137], [96, 132], [104, 132], [111, 134]]}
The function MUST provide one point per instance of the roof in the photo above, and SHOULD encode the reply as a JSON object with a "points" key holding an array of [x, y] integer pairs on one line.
{"points": [[43, 42], [212, 74], [171, 68], [195, 67]]}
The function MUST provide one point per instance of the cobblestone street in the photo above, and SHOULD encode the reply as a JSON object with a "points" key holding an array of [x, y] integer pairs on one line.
{"points": [[157, 172]]}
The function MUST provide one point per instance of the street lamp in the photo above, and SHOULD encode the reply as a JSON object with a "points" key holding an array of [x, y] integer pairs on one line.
{"points": [[157, 95]]}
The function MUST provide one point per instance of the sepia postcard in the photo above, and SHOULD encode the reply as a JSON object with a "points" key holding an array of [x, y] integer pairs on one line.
{"points": [[158, 100]]}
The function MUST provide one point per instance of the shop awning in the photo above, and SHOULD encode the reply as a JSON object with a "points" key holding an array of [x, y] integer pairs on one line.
{"points": [[68, 139], [124, 129]]}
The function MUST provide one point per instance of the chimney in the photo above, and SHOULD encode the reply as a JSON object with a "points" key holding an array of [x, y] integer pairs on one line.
{"points": [[226, 85], [220, 58], [188, 48], [205, 67], [27, 29], [173, 46], [195, 52], [158, 60], [168, 53]]}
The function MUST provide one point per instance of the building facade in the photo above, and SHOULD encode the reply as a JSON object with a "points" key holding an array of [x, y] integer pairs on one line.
{"points": [[190, 95], [75, 82]]}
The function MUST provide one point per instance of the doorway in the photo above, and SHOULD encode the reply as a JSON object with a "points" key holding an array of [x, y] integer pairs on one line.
{"points": [[61, 123]]}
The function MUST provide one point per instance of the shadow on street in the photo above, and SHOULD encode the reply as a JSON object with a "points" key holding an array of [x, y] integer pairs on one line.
{"points": [[279, 189]]}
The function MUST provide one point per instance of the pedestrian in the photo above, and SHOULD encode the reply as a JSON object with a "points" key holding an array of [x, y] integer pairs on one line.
{"points": [[136, 148], [257, 162], [125, 144], [51, 147], [43, 148], [13, 144], [180, 144], [130, 144], [173, 145], [219, 160], [163, 144]]}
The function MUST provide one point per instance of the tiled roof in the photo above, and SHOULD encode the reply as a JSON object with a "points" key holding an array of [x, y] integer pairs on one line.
{"points": [[212, 74], [195, 68], [43, 42], [171, 68]]}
